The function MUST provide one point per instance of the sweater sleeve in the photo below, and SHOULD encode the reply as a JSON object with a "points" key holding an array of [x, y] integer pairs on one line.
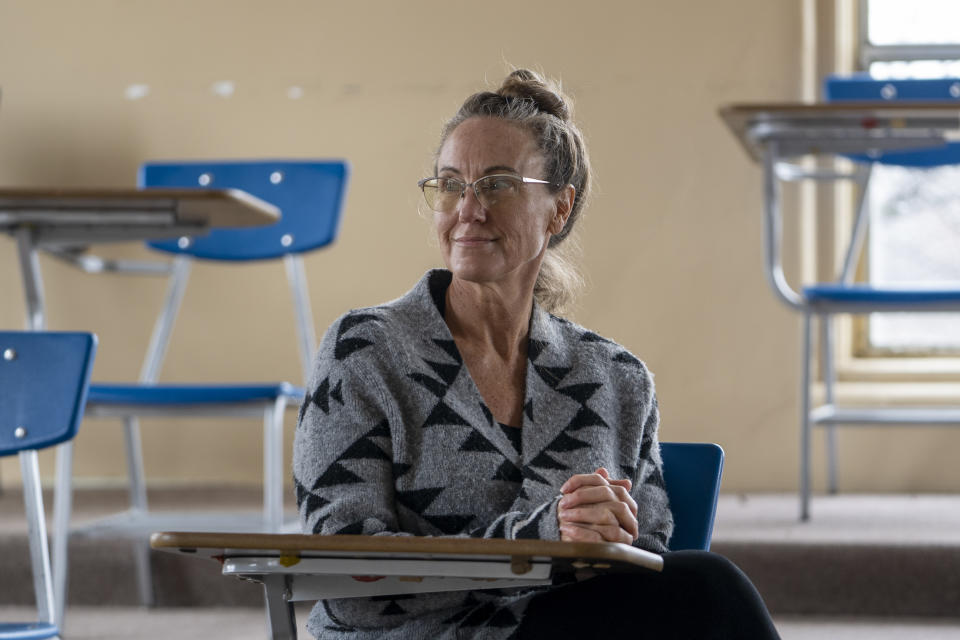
{"points": [[342, 454], [654, 516], [539, 522]]}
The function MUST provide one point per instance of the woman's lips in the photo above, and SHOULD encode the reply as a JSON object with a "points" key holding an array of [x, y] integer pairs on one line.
{"points": [[472, 241]]}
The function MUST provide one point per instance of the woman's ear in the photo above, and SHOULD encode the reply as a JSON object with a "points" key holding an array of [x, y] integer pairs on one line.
{"points": [[565, 199]]}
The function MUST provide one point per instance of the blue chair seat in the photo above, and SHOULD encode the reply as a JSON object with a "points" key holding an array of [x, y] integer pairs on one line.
{"points": [[186, 394], [30, 631], [838, 293]]}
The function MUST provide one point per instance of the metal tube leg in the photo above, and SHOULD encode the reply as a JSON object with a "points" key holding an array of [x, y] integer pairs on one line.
{"points": [[805, 426], [137, 489], [829, 377], [37, 528], [281, 618], [62, 507], [273, 465]]}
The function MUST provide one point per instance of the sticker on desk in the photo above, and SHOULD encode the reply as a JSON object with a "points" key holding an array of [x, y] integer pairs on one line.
{"points": [[288, 560]]}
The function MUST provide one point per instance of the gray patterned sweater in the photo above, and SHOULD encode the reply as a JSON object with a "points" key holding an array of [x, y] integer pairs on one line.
{"points": [[394, 438]]}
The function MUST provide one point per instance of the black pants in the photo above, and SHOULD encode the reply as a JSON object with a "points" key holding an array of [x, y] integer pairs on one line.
{"points": [[699, 595]]}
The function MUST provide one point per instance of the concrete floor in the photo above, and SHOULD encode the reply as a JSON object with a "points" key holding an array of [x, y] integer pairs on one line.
{"points": [[235, 623]]}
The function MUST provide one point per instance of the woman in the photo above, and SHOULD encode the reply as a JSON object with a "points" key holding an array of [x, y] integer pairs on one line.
{"points": [[466, 408]]}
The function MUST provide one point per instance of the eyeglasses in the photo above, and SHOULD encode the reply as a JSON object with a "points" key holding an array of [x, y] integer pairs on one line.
{"points": [[443, 194]]}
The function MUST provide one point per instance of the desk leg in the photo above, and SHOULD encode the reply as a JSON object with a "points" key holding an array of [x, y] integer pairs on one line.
{"points": [[32, 284], [281, 618]]}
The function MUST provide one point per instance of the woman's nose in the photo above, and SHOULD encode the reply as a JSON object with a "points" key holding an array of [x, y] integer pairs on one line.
{"points": [[470, 209]]}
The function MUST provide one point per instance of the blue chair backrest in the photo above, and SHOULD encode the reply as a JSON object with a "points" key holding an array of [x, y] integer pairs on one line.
{"points": [[308, 193], [691, 472], [861, 87], [44, 378]]}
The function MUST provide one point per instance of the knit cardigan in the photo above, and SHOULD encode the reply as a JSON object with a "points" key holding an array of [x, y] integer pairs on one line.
{"points": [[395, 439]]}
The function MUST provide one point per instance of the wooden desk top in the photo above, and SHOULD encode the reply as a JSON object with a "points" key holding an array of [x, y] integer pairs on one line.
{"points": [[130, 206], [226, 545], [848, 127]]}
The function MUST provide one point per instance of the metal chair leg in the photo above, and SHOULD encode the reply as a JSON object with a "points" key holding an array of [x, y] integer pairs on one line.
{"points": [[137, 491], [37, 531], [829, 378], [805, 425], [62, 507], [273, 465]]}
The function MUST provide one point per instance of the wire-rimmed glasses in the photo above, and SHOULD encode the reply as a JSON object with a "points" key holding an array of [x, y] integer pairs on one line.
{"points": [[443, 194]]}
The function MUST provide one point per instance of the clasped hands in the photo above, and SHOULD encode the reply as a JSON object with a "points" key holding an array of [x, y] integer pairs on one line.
{"points": [[595, 508]]}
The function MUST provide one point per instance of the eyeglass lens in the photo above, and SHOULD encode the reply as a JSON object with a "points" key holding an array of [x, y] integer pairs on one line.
{"points": [[443, 194]]}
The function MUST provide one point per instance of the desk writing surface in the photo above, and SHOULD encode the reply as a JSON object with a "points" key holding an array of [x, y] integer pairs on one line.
{"points": [[112, 206], [224, 545], [848, 127]]}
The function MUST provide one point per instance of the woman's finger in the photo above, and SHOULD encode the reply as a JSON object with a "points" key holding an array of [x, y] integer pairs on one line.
{"points": [[599, 494], [605, 514], [583, 480], [594, 533]]}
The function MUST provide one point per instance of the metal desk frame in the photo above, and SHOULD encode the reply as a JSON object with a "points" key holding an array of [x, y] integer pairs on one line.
{"points": [[293, 567], [63, 222], [775, 134]]}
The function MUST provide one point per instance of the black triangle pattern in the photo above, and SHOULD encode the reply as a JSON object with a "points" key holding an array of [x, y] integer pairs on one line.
{"points": [[535, 348], [590, 336], [629, 472], [586, 417], [447, 372], [321, 396], [551, 375], [627, 358], [531, 530], [442, 414], [656, 479], [528, 409], [477, 442], [451, 348], [545, 461], [352, 529], [508, 472], [580, 392], [564, 443], [382, 430], [364, 449], [400, 468], [418, 500], [432, 385], [347, 346], [449, 524], [336, 474], [530, 474], [312, 501], [486, 413]]}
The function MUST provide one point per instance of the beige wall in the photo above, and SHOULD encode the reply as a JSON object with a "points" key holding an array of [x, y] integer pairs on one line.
{"points": [[671, 243]]}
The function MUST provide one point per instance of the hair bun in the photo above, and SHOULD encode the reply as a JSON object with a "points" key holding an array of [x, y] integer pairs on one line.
{"points": [[524, 84]]}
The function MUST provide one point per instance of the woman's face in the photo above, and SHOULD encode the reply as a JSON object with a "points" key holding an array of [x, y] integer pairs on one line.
{"points": [[504, 243]]}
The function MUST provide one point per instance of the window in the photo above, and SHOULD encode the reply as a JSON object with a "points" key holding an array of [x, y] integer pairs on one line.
{"points": [[914, 214]]}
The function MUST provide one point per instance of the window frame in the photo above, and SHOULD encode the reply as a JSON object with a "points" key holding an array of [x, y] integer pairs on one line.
{"points": [[860, 347]]}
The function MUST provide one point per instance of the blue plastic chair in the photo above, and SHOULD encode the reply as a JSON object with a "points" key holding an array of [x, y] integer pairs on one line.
{"points": [[44, 379], [691, 473], [846, 296], [310, 196]]}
